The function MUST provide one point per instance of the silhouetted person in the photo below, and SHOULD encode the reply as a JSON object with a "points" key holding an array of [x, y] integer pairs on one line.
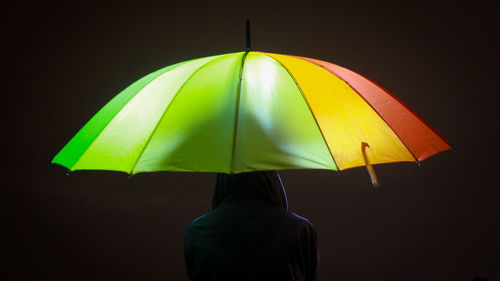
{"points": [[250, 235]]}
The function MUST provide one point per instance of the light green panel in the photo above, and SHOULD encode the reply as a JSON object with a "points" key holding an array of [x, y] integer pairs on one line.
{"points": [[81, 141], [275, 129], [120, 143], [195, 134]]}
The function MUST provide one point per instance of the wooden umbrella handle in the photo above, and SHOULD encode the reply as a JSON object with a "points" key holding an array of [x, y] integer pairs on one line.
{"points": [[369, 166]]}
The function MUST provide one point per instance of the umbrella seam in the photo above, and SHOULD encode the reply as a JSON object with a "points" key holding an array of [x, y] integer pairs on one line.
{"points": [[394, 97], [125, 104], [371, 106], [168, 106], [236, 113], [309, 107], [381, 117], [409, 109], [358, 132]]}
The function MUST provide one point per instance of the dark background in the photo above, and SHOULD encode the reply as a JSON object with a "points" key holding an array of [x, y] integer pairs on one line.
{"points": [[440, 221]]}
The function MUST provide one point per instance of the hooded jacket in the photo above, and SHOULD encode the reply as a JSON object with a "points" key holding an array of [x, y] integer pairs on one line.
{"points": [[250, 234]]}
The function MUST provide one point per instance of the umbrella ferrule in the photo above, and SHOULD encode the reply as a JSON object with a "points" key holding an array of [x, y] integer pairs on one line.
{"points": [[248, 36]]}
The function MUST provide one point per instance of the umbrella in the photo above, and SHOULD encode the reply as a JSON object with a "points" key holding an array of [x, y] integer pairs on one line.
{"points": [[250, 111]]}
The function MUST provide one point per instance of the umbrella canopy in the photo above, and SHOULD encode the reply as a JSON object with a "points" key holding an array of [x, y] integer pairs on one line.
{"points": [[250, 111]]}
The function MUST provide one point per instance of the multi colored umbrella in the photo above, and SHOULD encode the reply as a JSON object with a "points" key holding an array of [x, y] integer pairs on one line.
{"points": [[250, 111]]}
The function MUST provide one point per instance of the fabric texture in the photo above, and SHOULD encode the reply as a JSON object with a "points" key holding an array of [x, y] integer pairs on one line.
{"points": [[250, 234]]}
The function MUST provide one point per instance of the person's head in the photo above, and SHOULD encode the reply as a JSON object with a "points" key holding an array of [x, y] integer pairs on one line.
{"points": [[264, 187]]}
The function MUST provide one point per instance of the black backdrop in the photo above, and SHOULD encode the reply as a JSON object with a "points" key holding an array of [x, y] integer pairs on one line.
{"points": [[64, 61]]}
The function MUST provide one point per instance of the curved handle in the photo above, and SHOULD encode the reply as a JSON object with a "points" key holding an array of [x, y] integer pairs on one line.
{"points": [[369, 166]]}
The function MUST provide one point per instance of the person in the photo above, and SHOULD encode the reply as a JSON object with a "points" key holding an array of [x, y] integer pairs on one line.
{"points": [[250, 234]]}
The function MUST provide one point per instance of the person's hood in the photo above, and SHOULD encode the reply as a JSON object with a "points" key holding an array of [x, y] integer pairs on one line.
{"points": [[263, 187]]}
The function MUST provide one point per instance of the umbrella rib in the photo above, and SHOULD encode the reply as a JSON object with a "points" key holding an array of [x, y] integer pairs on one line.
{"points": [[166, 109], [409, 109], [105, 126], [392, 96], [378, 113], [310, 110], [373, 108], [236, 111]]}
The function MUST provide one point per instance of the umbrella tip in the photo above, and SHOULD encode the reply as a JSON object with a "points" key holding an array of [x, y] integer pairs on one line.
{"points": [[339, 172], [452, 147], [248, 35], [130, 176], [419, 163], [68, 172]]}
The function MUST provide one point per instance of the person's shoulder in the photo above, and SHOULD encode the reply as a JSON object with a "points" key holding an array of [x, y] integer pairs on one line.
{"points": [[196, 223], [299, 220]]}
